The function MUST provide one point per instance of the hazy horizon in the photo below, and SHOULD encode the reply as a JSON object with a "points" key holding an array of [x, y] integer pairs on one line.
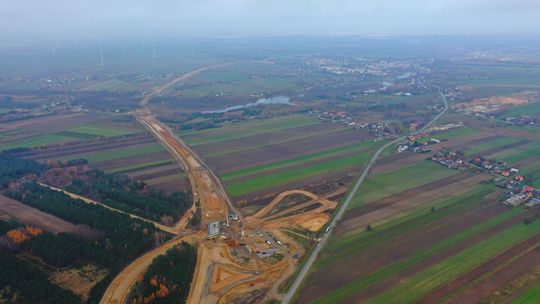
{"points": [[242, 18]]}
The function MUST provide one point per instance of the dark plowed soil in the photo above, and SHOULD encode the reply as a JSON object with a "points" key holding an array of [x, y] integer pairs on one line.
{"points": [[88, 147], [486, 287], [368, 261], [117, 163], [438, 294], [156, 174], [393, 199], [433, 260], [281, 151], [467, 144], [505, 147], [408, 203]]}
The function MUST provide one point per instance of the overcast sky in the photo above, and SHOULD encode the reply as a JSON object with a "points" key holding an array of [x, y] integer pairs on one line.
{"points": [[210, 18]]}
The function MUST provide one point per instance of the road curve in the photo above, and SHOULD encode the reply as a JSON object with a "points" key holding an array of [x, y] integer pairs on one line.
{"points": [[287, 298]]}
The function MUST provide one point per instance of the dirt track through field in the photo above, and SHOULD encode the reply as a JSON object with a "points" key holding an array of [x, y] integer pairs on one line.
{"points": [[347, 270]]}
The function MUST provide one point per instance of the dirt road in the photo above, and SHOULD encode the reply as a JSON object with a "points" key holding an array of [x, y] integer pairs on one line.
{"points": [[118, 290], [158, 91], [162, 227]]}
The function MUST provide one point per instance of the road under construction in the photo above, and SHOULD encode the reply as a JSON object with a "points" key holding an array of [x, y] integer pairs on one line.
{"points": [[252, 257]]}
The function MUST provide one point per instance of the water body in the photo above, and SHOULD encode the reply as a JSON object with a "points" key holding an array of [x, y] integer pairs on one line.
{"points": [[281, 100], [405, 76]]}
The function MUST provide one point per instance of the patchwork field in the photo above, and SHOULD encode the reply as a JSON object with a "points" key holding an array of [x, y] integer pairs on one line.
{"points": [[258, 159], [419, 232], [60, 128], [116, 145]]}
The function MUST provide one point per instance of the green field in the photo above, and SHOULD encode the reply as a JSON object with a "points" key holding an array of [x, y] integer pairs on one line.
{"points": [[530, 296], [344, 245], [421, 283], [454, 133], [389, 183], [353, 148], [136, 167], [104, 130], [499, 142], [245, 129], [527, 109], [37, 141], [420, 255], [261, 182]]}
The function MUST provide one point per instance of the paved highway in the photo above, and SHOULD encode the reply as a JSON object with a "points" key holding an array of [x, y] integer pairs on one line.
{"points": [[343, 207]]}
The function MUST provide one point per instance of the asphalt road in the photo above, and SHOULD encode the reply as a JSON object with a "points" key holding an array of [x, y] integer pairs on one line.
{"points": [[287, 298]]}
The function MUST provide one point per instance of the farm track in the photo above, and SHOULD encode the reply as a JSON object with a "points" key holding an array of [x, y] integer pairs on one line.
{"points": [[171, 230]]}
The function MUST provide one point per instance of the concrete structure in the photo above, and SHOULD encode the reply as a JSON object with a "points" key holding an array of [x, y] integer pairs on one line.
{"points": [[214, 230]]}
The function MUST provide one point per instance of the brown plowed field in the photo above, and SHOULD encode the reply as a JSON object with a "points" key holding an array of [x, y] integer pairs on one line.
{"points": [[27, 215], [407, 200], [46, 125], [355, 267], [160, 171], [504, 147], [280, 151], [438, 294], [486, 287], [265, 138], [393, 199], [396, 161], [117, 163], [315, 184], [88, 147], [301, 165], [433, 260]]}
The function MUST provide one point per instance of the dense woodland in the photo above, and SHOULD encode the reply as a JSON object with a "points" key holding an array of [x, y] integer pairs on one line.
{"points": [[168, 278], [116, 240], [123, 237], [25, 283], [119, 191], [14, 167]]}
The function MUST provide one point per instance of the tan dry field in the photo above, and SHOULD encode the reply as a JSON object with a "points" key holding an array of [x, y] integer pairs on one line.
{"points": [[79, 280], [27, 215]]}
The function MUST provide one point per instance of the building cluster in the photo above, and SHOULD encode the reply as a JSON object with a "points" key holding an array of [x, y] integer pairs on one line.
{"points": [[496, 167], [521, 120], [221, 228], [376, 129], [445, 127], [416, 145], [517, 194], [450, 159]]}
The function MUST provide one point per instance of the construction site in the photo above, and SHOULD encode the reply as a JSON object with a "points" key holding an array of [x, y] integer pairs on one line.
{"points": [[239, 260]]}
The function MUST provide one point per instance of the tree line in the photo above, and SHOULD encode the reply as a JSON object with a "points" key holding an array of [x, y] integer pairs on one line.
{"points": [[121, 192]]}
